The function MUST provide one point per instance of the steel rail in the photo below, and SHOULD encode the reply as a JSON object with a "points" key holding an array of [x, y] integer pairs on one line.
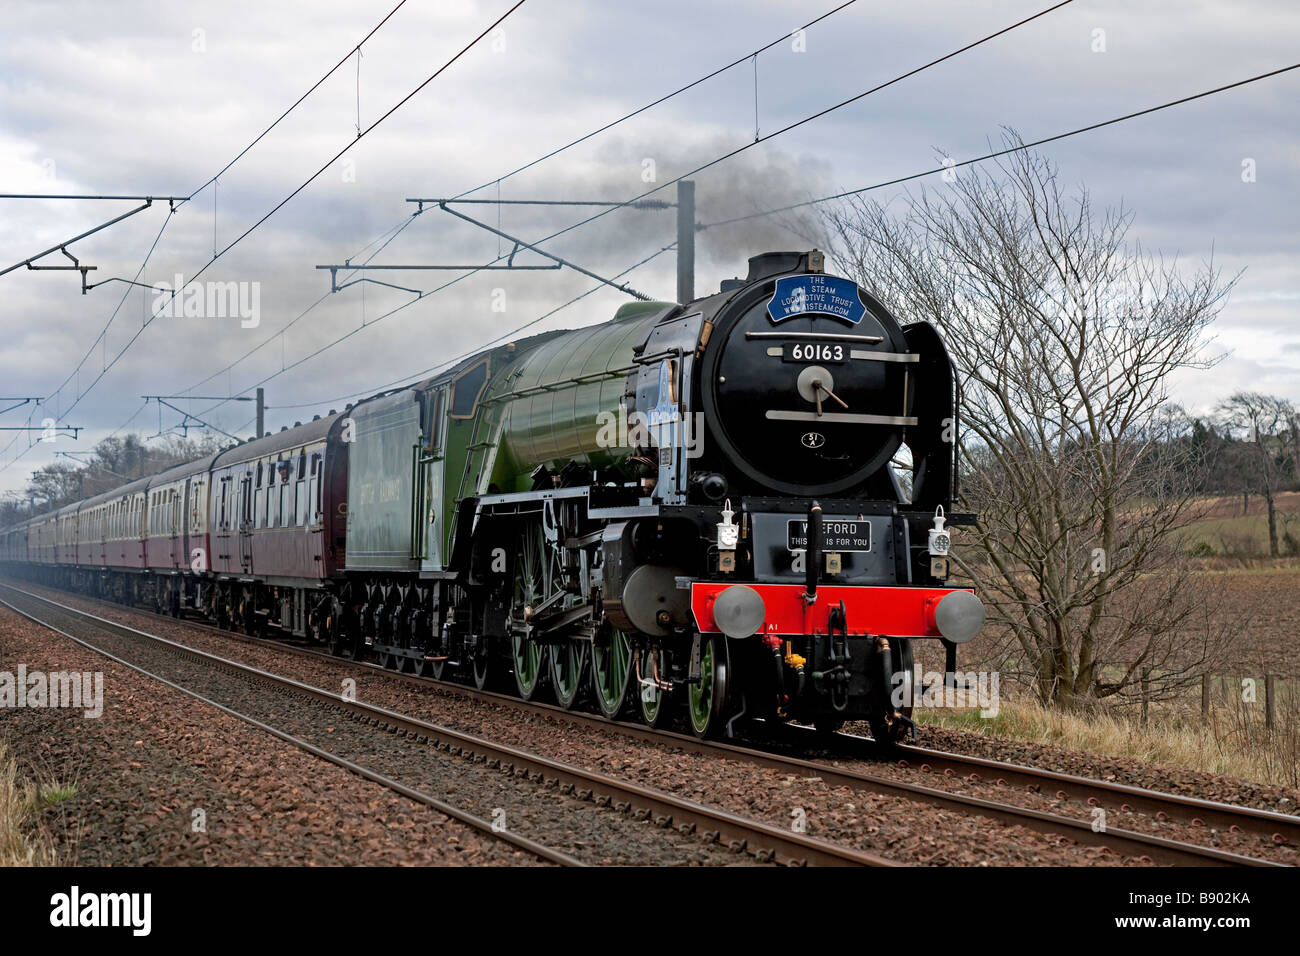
{"points": [[1141, 845], [762, 840], [419, 796], [1280, 828]]}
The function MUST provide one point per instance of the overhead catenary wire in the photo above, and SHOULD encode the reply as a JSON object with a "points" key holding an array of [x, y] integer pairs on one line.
{"points": [[898, 180], [416, 376], [361, 134], [662, 99], [725, 156], [174, 202], [811, 117], [103, 332], [312, 89], [310, 179], [406, 221], [1002, 152]]}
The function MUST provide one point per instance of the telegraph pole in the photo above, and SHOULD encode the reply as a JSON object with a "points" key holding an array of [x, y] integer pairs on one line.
{"points": [[685, 241], [261, 411]]}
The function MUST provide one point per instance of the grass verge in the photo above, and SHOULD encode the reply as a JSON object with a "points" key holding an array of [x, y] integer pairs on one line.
{"points": [[1232, 740], [23, 842]]}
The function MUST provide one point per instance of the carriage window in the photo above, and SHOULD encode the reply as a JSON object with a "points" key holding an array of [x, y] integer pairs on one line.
{"points": [[270, 497], [466, 390], [313, 489], [286, 505], [259, 498]]}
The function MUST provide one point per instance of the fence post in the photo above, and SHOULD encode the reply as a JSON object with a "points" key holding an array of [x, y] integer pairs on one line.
{"points": [[1270, 702], [1205, 695], [1145, 696]]}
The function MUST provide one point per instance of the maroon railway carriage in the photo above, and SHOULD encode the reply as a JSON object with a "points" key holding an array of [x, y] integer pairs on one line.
{"points": [[176, 521], [276, 511], [13, 543], [176, 536]]}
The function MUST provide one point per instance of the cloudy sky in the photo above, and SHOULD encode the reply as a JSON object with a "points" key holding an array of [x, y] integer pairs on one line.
{"points": [[154, 98]]}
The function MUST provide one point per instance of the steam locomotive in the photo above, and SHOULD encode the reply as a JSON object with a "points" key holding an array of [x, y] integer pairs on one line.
{"points": [[688, 508]]}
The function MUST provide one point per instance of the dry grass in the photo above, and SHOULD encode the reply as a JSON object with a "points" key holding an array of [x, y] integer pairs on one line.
{"points": [[1232, 740], [22, 841]]}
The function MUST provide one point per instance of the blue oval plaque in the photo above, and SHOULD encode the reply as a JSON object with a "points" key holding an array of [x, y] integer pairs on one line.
{"points": [[816, 294]]}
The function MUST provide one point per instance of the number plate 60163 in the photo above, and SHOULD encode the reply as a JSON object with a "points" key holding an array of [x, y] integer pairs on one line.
{"points": [[824, 352]]}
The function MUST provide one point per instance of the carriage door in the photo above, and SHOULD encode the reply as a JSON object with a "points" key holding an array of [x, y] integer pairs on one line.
{"points": [[183, 559], [175, 529], [245, 518]]}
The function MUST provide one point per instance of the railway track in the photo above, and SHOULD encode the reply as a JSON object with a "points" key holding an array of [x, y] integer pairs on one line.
{"points": [[733, 832], [1279, 829]]}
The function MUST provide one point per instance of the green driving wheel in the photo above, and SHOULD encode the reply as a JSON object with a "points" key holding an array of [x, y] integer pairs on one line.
{"points": [[611, 672], [532, 583], [568, 667]]}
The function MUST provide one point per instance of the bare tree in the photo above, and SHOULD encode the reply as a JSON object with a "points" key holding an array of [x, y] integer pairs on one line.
{"points": [[1064, 336], [1265, 423], [58, 483]]}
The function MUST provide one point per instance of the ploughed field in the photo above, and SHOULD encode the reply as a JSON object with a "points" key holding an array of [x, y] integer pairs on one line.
{"points": [[1259, 608]]}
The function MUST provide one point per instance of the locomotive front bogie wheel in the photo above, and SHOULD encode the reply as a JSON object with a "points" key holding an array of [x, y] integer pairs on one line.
{"points": [[707, 701], [654, 703], [890, 671], [612, 681]]}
